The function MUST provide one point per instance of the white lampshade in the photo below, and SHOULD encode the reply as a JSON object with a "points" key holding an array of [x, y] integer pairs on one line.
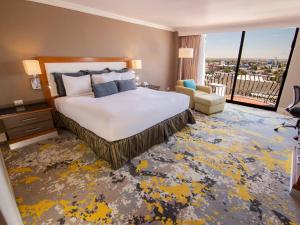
{"points": [[136, 64], [32, 67], [185, 53]]}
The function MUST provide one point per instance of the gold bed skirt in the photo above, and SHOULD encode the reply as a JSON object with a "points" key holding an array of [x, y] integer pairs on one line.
{"points": [[117, 153]]}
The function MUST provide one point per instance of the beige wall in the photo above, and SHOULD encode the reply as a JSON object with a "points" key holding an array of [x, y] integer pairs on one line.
{"points": [[293, 78], [30, 29]]}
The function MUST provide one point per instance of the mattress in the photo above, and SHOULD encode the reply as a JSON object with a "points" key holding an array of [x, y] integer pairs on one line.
{"points": [[122, 115]]}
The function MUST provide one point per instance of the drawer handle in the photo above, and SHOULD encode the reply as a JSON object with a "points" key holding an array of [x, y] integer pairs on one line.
{"points": [[29, 119], [33, 129]]}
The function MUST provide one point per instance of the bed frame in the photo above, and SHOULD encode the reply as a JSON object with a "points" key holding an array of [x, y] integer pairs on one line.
{"points": [[44, 61], [117, 153]]}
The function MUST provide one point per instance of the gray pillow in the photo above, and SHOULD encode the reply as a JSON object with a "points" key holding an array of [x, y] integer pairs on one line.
{"points": [[126, 85], [124, 70], [61, 91], [106, 70], [105, 89]]}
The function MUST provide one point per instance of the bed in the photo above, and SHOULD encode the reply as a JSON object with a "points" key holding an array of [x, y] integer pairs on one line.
{"points": [[120, 126]]}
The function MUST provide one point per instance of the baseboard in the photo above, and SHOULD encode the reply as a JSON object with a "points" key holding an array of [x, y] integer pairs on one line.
{"points": [[33, 140]]}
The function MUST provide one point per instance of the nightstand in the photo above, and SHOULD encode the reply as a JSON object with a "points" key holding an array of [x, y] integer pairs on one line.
{"points": [[27, 124]]}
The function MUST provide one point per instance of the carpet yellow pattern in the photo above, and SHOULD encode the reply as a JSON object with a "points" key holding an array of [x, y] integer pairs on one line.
{"points": [[228, 168]]}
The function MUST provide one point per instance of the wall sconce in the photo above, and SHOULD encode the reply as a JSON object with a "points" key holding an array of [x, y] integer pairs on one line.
{"points": [[136, 64], [32, 68]]}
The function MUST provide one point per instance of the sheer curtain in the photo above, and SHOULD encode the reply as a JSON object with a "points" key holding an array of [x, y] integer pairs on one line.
{"points": [[190, 66]]}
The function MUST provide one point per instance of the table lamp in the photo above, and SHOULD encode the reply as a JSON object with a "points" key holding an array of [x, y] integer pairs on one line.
{"points": [[184, 53], [136, 64]]}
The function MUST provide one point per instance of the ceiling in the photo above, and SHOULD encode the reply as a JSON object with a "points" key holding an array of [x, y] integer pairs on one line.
{"points": [[192, 15]]}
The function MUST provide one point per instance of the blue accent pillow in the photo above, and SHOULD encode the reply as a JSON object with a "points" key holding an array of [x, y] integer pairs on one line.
{"points": [[189, 84], [105, 89], [126, 85], [61, 91]]}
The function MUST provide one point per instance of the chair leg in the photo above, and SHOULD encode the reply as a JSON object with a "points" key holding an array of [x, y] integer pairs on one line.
{"points": [[298, 124], [285, 125], [297, 137], [298, 129], [281, 125]]}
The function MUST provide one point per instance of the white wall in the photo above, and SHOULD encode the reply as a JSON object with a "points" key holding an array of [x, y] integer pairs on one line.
{"points": [[8, 204]]}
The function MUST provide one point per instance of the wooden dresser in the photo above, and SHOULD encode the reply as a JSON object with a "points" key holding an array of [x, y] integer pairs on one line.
{"points": [[27, 124]]}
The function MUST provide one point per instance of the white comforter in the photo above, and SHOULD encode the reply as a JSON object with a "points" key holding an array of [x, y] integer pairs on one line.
{"points": [[124, 114]]}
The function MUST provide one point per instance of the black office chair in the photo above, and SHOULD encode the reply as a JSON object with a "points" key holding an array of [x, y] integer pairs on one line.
{"points": [[294, 111]]}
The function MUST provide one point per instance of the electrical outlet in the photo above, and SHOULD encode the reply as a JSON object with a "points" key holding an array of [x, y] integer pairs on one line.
{"points": [[18, 102]]}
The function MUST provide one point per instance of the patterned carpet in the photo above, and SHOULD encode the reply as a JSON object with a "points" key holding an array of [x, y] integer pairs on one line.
{"points": [[229, 168]]}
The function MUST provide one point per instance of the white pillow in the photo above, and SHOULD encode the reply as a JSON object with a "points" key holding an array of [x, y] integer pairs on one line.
{"points": [[105, 77], [77, 85], [128, 75]]}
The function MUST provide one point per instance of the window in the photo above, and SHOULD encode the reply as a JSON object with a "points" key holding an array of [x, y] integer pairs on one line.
{"points": [[221, 58], [262, 64]]}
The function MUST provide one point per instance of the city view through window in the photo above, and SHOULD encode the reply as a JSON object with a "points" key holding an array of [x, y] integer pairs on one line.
{"points": [[262, 64]]}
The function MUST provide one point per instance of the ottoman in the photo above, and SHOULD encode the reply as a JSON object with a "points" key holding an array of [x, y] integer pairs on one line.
{"points": [[210, 103]]}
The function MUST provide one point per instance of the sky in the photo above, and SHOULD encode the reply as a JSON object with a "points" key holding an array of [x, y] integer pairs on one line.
{"points": [[263, 44]]}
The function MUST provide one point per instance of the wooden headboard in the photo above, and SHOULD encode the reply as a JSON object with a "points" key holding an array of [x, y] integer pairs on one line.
{"points": [[86, 63]]}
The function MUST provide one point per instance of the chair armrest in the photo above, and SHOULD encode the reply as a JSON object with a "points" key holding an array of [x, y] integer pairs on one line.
{"points": [[203, 88], [187, 91]]}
